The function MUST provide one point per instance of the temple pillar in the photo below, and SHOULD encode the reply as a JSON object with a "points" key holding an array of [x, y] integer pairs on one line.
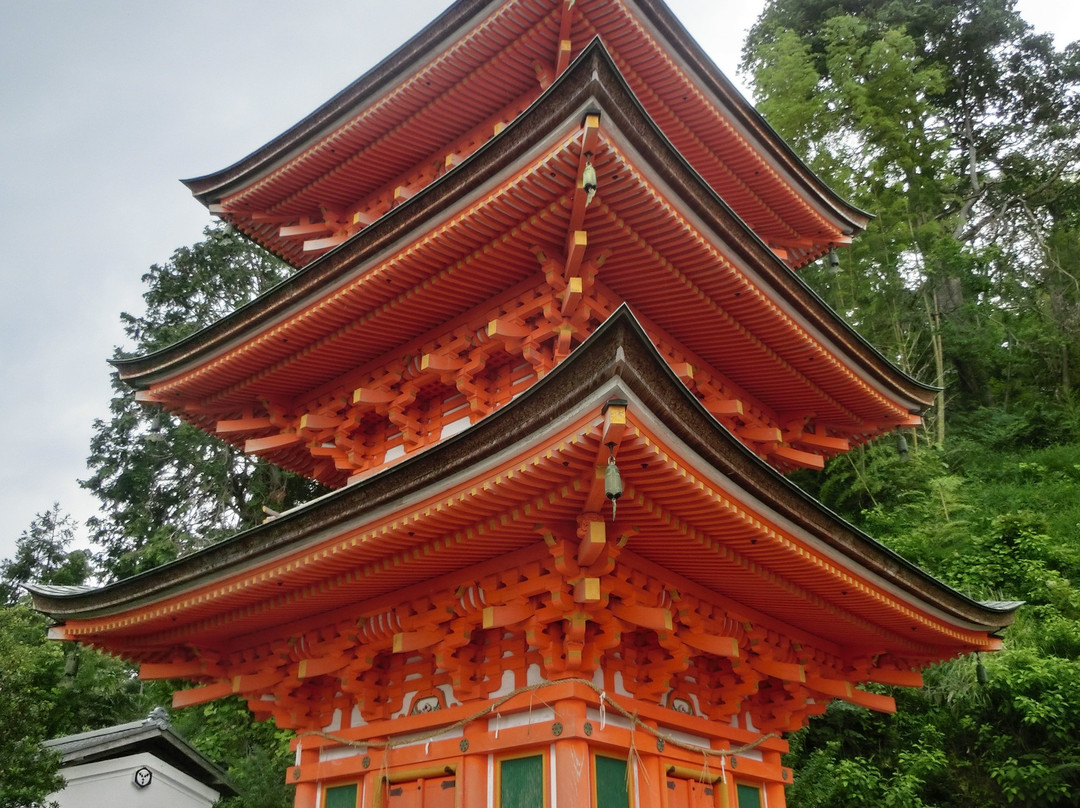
{"points": [[573, 788], [652, 773], [307, 794], [775, 793], [473, 777]]}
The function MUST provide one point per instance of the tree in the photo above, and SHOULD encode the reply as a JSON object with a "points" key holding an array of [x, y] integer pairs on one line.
{"points": [[42, 556], [166, 488], [957, 127], [27, 774]]}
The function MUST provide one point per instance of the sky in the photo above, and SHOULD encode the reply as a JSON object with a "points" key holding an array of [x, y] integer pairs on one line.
{"points": [[104, 105]]}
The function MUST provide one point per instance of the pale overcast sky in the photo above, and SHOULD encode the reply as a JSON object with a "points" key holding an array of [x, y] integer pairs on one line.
{"points": [[105, 104]]}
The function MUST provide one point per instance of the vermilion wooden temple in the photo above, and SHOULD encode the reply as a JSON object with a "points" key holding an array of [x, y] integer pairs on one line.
{"points": [[547, 341]]}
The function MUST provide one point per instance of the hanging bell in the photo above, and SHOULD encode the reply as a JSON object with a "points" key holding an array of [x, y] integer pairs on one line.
{"points": [[588, 180], [613, 487]]}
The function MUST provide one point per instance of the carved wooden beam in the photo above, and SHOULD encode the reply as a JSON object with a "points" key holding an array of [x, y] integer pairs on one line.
{"points": [[798, 457], [153, 671], [242, 425], [271, 442], [566, 19]]}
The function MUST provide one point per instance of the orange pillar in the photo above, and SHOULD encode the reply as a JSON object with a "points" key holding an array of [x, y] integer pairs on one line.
{"points": [[651, 770], [307, 794], [775, 793], [573, 769], [473, 777]]}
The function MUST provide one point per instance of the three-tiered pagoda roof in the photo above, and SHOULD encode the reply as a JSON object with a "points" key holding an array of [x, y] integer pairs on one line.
{"points": [[547, 341]]}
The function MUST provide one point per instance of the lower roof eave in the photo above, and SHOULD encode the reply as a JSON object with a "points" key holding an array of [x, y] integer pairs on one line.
{"points": [[619, 350]]}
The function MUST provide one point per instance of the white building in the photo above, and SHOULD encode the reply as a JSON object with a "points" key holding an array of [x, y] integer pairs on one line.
{"points": [[136, 765]]}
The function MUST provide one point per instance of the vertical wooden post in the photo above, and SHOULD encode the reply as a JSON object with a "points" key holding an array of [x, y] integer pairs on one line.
{"points": [[573, 787], [723, 786], [775, 793], [307, 794], [652, 774], [473, 777], [373, 790]]}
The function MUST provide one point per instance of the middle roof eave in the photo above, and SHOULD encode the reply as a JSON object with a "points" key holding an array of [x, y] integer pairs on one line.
{"points": [[592, 81], [619, 351]]}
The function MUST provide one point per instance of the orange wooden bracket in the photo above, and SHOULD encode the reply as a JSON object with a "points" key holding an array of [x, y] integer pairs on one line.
{"points": [[316, 244], [719, 407], [311, 420], [415, 640], [576, 243], [587, 590], [655, 617], [201, 695], [440, 362], [263, 217], [711, 644], [593, 534], [305, 228], [820, 441], [308, 668], [248, 682], [571, 295], [759, 434], [271, 442], [543, 74], [502, 616], [872, 701], [373, 395], [242, 425], [799, 457], [684, 370], [786, 671], [895, 677], [564, 55], [507, 329], [176, 670]]}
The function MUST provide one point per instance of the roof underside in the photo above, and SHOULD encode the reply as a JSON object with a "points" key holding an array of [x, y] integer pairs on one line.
{"points": [[698, 508], [415, 116], [482, 245]]}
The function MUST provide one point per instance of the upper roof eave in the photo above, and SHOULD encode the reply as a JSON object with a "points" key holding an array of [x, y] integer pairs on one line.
{"points": [[592, 76], [212, 187], [618, 349], [723, 88]]}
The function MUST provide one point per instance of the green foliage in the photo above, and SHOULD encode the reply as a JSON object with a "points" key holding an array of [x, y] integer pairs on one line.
{"points": [[47, 690], [168, 488], [42, 556], [254, 754], [27, 774], [996, 524], [957, 127]]}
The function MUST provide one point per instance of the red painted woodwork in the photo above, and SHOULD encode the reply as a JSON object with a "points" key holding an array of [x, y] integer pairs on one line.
{"points": [[543, 242], [407, 130]]}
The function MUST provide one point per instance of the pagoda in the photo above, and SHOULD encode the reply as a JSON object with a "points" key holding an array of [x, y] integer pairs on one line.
{"points": [[547, 343]]}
